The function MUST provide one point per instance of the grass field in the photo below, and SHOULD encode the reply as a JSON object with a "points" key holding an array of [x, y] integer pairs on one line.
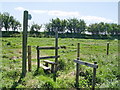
{"points": [[90, 50]]}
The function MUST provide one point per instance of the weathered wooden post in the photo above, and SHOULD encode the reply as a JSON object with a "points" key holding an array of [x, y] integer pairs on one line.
{"points": [[24, 43], [38, 61], [77, 65], [29, 58], [56, 54], [94, 77], [108, 48]]}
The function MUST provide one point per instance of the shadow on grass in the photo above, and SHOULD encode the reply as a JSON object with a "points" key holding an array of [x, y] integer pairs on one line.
{"points": [[15, 84], [40, 71]]}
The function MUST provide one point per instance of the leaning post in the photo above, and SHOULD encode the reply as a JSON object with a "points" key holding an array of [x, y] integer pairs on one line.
{"points": [[24, 43]]}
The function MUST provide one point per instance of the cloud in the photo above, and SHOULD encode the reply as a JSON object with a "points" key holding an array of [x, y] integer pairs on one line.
{"points": [[56, 13], [63, 13], [95, 19], [19, 8], [39, 11]]}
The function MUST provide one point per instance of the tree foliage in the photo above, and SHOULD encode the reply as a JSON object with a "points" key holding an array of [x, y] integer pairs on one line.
{"points": [[35, 28], [70, 25], [7, 21]]}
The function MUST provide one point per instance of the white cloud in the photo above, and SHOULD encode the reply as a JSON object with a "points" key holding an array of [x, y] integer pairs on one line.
{"points": [[96, 19], [63, 13], [56, 13], [19, 8], [39, 11]]}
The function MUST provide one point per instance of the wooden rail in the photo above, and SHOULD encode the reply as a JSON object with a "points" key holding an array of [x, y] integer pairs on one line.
{"points": [[47, 48], [86, 63], [49, 57]]}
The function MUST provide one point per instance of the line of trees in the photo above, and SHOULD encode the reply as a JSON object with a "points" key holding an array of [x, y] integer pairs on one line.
{"points": [[79, 26], [73, 26], [70, 25]]}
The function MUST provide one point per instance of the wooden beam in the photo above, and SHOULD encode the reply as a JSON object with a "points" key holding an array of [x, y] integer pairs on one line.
{"points": [[86, 63], [50, 62], [47, 48], [44, 67], [49, 57]]}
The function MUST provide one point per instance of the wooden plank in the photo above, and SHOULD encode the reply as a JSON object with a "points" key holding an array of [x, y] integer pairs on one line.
{"points": [[49, 57], [50, 62], [44, 67], [86, 63], [29, 58], [47, 48]]}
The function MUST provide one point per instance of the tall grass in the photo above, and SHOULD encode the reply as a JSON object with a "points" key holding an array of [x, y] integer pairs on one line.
{"points": [[90, 50]]}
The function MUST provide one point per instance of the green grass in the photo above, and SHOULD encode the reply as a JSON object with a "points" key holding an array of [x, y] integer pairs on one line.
{"points": [[90, 50]]}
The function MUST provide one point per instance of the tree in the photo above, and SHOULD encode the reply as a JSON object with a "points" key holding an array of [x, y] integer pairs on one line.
{"points": [[81, 26], [76, 26], [93, 28], [56, 24], [35, 28], [72, 25], [63, 24], [1, 21], [8, 22]]}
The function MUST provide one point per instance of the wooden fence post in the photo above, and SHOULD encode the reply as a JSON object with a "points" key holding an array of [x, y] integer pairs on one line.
{"points": [[24, 43], [56, 54], [29, 58], [77, 65], [38, 56], [94, 77], [108, 48]]}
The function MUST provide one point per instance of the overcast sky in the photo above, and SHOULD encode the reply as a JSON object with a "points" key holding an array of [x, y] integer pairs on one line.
{"points": [[42, 12]]}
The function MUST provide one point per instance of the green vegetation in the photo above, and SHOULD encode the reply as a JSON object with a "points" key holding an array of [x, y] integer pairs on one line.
{"points": [[90, 50]]}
